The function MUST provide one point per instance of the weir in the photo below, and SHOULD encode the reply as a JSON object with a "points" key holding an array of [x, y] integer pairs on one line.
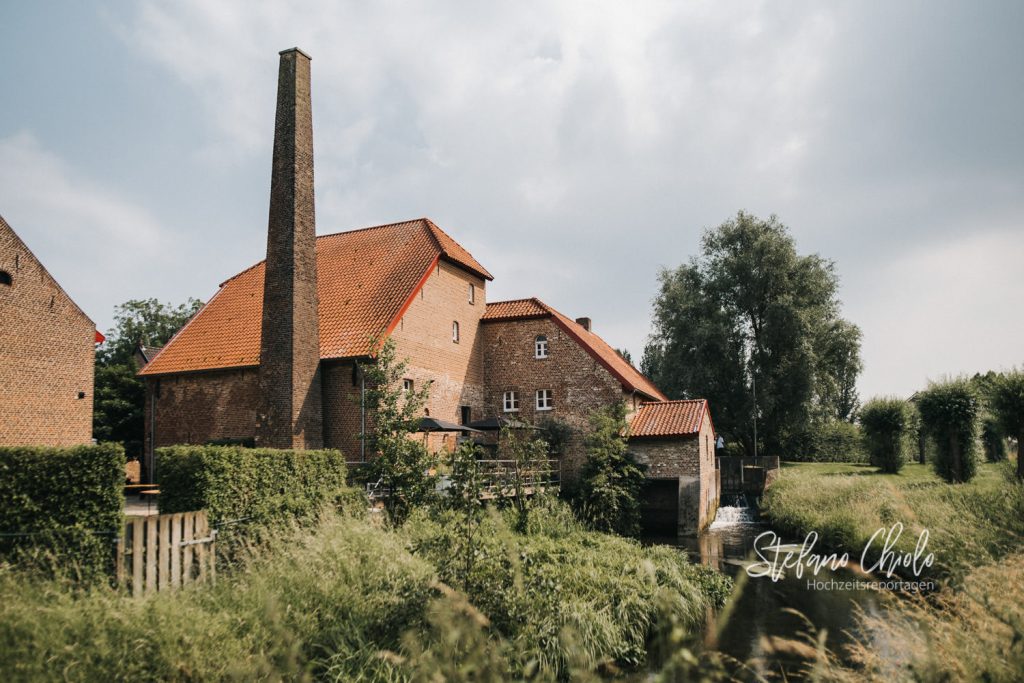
{"points": [[746, 475]]}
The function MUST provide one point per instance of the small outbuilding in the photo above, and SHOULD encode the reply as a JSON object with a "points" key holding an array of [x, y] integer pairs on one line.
{"points": [[676, 441]]}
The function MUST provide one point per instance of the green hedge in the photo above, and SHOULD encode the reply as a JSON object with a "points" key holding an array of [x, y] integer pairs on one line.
{"points": [[833, 441], [61, 509], [249, 487]]}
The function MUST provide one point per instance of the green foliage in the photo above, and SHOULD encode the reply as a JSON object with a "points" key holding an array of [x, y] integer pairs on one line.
{"points": [[249, 489], [62, 509], [557, 433], [403, 465], [828, 441], [884, 421], [608, 494], [949, 413], [567, 599], [531, 471], [1006, 401], [347, 600], [993, 440], [752, 310], [118, 411]]}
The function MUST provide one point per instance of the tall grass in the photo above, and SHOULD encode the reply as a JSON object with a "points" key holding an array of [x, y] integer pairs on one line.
{"points": [[347, 600], [968, 524]]}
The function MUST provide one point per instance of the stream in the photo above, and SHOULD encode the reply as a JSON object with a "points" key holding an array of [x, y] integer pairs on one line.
{"points": [[759, 609]]}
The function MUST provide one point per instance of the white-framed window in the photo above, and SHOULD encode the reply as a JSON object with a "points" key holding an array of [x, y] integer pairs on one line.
{"points": [[540, 346], [472, 293], [545, 401], [455, 331], [407, 385], [511, 402]]}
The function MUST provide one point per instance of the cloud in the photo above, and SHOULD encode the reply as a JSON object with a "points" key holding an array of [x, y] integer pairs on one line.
{"points": [[92, 240]]}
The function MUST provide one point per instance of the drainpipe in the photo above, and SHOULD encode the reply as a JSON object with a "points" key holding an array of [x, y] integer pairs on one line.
{"points": [[152, 432], [362, 416]]}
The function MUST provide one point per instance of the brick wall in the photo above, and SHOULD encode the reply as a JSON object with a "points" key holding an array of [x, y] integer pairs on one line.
{"points": [[199, 407], [47, 355], [579, 384]]}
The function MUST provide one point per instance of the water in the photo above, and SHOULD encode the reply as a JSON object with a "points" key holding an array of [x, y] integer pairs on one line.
{"points": [[760, 610]]}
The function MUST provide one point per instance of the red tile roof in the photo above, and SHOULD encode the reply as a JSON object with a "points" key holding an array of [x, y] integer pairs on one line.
{"points": [[524, 309], [365, 281], [669, 418]]}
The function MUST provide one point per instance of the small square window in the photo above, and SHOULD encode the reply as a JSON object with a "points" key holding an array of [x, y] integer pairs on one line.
{"points": [[540, 346], [455, 331], [545, 401], [407, 385], [472, 293], [511, 402]]}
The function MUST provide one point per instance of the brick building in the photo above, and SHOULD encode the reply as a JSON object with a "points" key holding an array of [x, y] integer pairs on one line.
{"points": [[676, 441], [47, 354], [272, 357]]}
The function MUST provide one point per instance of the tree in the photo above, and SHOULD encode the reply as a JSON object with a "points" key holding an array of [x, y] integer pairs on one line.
{"points": [[608, 496], [1006, 401], [403, 465], [118, 409], [626, 356], [949, 413], [752, 317], [884, 421]]}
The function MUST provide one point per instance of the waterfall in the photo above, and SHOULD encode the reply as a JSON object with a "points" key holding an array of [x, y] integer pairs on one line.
{"points": [[740, 512]]}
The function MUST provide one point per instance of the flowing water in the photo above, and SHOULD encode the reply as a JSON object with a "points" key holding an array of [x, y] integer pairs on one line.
{"points": [[761, 610]]}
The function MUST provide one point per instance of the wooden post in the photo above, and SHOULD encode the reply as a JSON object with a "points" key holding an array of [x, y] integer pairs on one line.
{"points": [[119, 558], [202, 551], [138, 554], [188, 551], [164, 553], [175, 550], [151, 524]]}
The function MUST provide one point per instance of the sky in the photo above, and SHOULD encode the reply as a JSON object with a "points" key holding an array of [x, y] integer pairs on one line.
{"points": [[575, 148]]}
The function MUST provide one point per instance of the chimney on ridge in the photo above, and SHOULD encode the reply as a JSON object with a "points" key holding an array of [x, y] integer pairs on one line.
{"points": [[289, 375], [584, 323]]}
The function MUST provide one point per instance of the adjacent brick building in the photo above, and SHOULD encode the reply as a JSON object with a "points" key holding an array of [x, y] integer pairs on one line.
{"points": [[47, 354]]}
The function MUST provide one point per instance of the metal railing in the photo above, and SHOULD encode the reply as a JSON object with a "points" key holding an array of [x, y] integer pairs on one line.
{"points": [[501, 478]]}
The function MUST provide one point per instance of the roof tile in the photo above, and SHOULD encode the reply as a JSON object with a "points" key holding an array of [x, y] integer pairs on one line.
{"points": [[668, 418]]}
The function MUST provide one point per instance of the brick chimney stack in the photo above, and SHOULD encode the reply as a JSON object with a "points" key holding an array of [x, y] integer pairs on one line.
{"points": [[584, 323], [290, 413]]}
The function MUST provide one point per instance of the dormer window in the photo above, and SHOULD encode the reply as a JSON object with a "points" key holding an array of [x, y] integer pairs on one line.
{"points": [[455, 331], [472, 293], [540, 346]]}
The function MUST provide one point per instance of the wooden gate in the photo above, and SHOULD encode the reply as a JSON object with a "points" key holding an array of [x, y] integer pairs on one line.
{"points": [[165, 552]]}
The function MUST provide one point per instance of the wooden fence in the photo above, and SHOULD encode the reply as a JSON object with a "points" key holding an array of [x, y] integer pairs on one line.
{"points": [[166, 552]]}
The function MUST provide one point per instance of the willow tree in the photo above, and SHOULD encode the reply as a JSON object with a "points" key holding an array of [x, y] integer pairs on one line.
{"points": [[949, 411], [884, 421], [750, 316], [1006, 401]]}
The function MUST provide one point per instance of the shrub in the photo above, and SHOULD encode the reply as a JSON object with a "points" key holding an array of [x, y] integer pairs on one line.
{"points": [[949, 411], [608, 494], [828, 441], [68, 503], [993, 440], [249, 487], [884, 421], [1006, 400]]}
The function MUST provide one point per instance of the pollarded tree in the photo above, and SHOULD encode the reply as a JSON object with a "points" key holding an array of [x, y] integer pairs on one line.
{"points": [[884, 421], [949, 411], [1006, 400]]}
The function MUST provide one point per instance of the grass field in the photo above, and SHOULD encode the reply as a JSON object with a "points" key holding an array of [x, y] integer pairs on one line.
{"points": [[968, 525]]}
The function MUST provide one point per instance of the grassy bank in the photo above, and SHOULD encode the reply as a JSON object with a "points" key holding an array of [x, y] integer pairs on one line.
{"points": [[970, 524], [348, 600]]}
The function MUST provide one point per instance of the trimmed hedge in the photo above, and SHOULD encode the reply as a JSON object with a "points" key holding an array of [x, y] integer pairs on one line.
{"points": [[62, 509], [832, 441], [251, 487], [884, 423]]}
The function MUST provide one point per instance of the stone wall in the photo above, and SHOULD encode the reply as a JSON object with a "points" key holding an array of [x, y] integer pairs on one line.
{"points": [[47, 354]]}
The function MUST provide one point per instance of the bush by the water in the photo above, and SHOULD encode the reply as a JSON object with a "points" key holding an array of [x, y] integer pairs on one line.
{"points": [[949, 414], [826, 441], [608, 493], [349, 601], [249, 487], [884, 421], [62, 507]]}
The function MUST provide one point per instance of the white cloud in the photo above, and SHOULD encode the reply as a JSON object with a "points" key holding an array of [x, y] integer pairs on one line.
{"points": [[95, 242]]}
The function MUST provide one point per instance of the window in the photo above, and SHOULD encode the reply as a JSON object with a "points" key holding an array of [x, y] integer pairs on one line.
{"points": [[545, 401], [472, 293], [540, 346], [466, 414], [511, 402], [407, 385], [5, 278], [455, 331]]}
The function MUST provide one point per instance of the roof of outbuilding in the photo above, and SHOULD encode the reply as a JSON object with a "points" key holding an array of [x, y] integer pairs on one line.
{"points": [[669, 418], [365, 280], [623, 370]]}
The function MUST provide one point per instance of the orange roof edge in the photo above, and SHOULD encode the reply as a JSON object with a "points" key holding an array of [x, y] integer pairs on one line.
{"points": [[176, 334], [408, 302]]}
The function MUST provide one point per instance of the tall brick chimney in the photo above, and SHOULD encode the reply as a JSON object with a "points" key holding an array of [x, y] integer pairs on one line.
{"points": [[290, 412]]}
